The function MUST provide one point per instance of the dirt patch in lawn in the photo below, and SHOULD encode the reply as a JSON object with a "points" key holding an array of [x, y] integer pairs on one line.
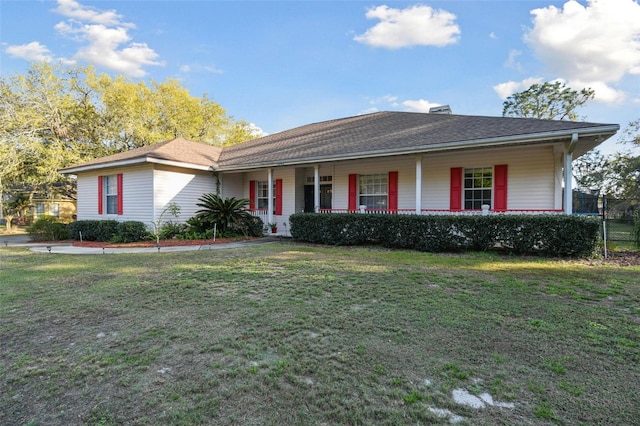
{"points": [[624, 258]]}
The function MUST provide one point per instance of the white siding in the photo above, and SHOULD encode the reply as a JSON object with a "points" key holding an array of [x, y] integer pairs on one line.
{"points": [[530, 181], [172, 185], [146, 192], [231, 185], [137, 194], [404, 165]]}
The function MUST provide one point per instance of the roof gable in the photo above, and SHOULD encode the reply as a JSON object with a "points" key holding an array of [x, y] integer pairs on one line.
{"points": [[179, 152]]}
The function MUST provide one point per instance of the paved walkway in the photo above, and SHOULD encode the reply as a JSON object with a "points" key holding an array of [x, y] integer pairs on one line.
{"points": [[64, 248]]}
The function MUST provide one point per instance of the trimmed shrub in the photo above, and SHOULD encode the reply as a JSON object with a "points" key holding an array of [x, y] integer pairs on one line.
{"points": [[48, 228], [550, 235], [108, 231], [130, 231]]}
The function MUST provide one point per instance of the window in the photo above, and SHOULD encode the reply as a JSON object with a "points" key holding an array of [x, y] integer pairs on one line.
{"points": [[54, 209], [373, 191], [311, 179], [111, 193], [478, 185], [262, 196], [40, 208]]}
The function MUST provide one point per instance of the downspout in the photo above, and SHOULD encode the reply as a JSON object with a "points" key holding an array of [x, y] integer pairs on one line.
{"points": [[568, 174]]}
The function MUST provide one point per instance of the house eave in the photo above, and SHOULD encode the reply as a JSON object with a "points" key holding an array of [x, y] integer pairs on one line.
{"points": [[133, 162], [603, 132]]}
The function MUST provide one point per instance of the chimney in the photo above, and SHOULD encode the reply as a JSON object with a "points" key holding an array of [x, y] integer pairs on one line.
{"points": [[442, 109]]}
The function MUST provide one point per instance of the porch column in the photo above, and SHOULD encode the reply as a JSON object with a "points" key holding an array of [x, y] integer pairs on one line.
{"points": [[316, 188], [418, 184], [269, 195], [568, 175]]}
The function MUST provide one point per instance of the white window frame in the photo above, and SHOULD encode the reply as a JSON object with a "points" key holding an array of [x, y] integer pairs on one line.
{"points": [[477, 187], [110, 189], [373, 191], [262, 195]]}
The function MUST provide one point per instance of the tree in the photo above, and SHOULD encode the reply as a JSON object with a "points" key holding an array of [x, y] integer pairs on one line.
{"points": [[551, 101], [56, 115]]}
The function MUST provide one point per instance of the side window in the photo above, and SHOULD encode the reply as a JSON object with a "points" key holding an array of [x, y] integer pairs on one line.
{"points": [[111, 193]]}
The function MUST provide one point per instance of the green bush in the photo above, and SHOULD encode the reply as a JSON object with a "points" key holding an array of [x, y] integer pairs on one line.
{"points": [[48, 228], [549, 235], [130, 231], [199, 227], [108, 231]]}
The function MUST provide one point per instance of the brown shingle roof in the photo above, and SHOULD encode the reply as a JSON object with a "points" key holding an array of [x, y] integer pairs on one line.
{"points": [[390, 132], [382, 133], [175, 151]]}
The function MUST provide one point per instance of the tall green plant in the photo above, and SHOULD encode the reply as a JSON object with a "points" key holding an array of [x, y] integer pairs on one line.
{"points": [[225, 212], [173, 209]]}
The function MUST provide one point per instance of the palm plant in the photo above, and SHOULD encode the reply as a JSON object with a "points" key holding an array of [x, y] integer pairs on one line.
{"points": [[224, 212]]}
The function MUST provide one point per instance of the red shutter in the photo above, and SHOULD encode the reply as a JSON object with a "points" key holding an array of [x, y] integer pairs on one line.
{"points": [[353, 192], [393, 191], [455, 201], [278, 206], [252, 194], [500, 187], [120, 203], [100, 199]]}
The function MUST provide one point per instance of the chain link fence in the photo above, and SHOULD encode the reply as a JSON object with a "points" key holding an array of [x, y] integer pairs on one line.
{"points": [[618, 220], [617, 216]]}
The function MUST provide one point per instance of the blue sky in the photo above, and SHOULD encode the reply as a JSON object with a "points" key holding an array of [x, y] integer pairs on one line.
{"points": [[282, 64]]}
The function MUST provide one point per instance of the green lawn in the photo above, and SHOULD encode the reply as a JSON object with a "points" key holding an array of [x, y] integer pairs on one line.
{"points": [[293, 334]]}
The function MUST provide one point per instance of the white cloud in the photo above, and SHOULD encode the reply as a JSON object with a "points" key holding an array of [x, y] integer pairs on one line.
{"points": [[417, 25], [104, 38], [74, 10], [420, 105], [508, 88], [102, 46], [512, 60], [33, 51], [392, 102], [593, 45], [188, 68], [493, 36]]}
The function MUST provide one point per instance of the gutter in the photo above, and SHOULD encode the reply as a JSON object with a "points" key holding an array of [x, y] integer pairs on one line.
{"points": [[447, 146]]}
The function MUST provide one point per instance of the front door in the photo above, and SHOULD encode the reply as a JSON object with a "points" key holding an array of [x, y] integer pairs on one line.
{"points": [[325, 197]]}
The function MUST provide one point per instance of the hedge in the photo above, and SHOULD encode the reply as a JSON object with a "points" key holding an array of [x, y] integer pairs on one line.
{"points": [[109, 231], [48, 228], [548, 235]]}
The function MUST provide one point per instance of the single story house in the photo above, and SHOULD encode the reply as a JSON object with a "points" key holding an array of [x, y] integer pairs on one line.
{"points": [[62, 208], [385, 162]]}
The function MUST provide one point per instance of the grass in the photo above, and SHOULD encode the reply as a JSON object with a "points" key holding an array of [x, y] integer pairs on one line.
{"points": [[295, 334]]}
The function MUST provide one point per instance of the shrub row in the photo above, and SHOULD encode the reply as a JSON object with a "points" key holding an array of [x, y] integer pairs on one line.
{"points": [[549, 235], [48, 228], [108, 231]]}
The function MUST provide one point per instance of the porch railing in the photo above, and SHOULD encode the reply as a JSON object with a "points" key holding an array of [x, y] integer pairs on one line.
{"points": [[263, 214], [444, 211]]}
